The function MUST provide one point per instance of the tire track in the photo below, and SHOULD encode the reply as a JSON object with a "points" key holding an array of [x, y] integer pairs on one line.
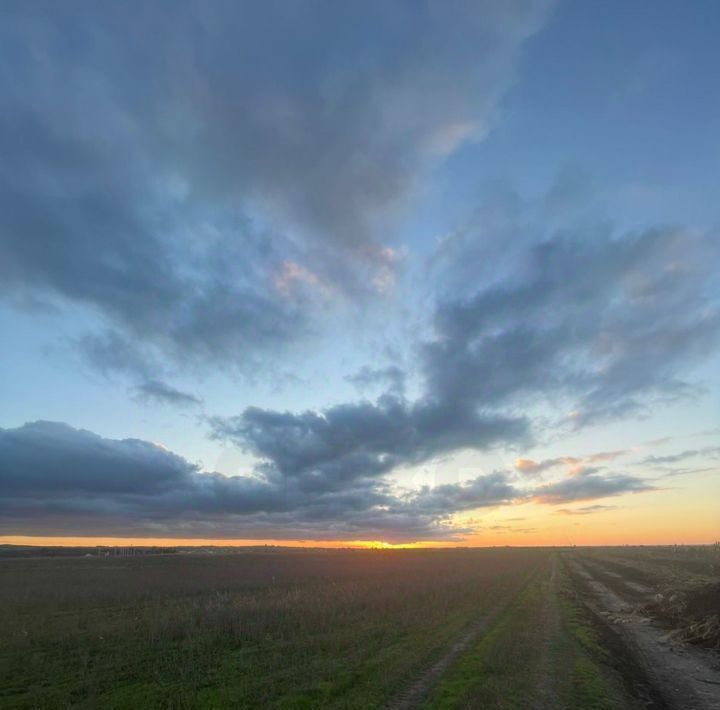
{"points": [[663, 674], [547, 692], [413, 694]]}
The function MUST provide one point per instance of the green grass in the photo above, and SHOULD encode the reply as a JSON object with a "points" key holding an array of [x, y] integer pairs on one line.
{"points": [[543, 648], [592, 683], [344, 630], [495, 672], [678, 566]]}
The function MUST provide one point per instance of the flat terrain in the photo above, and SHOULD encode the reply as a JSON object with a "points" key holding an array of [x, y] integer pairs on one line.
{"points": [[492, 628]]}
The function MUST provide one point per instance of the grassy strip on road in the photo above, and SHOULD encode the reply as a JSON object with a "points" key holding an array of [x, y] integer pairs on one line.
{"points": [[541, 653]]}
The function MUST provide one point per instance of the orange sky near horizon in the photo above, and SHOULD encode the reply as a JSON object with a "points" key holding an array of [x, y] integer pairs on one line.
{"points": [[562, 531], [505, 541], [71, 541]]}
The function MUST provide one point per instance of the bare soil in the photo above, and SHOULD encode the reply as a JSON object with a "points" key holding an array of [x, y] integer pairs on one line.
{"points": [[665, 670], [694, 614]]}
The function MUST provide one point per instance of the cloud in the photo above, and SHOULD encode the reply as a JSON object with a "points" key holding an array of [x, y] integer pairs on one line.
{"points": [[517, 343], [44, 457], [709, 451], [135, 147], [484, 491], [203, 188], [586, 510], [673, 472], [163, 393], [573, 464], [392, 377], [708, 432], [590, 486], [362, 440], [111, 353], [607, 455], [533, 468], [526, 337], [292, 277], [658, 442], [54, 475], [55, 479]]}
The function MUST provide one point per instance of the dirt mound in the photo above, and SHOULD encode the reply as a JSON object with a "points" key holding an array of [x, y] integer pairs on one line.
{"points": [[704, 601], [695, 614]]}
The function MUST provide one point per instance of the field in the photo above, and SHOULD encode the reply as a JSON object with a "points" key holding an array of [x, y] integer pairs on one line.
{"points": [[487, 628]]}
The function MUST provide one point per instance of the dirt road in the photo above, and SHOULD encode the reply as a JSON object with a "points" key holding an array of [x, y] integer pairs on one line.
{"points": [[524, 652], [572, 636], [664, 671]]}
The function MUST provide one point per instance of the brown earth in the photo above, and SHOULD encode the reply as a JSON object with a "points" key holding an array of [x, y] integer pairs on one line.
{"points": [[694, 615], [649, 634]]}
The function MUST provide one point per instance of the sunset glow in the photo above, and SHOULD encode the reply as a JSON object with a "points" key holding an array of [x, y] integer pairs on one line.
{"points": [[360, 275]]}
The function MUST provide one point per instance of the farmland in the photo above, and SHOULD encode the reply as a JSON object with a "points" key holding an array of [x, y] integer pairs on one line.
{"points": [[496, 628]]}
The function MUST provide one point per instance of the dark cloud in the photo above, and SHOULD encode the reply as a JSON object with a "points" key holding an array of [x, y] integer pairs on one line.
{"points": [[43, 457], [605, 324], [590, 485], [55, 479], [206, 182], [481, 492], [136, 140], [572, 314], [111, 353], [52, 474], [163, 393], [60, 480], [363, 440]]}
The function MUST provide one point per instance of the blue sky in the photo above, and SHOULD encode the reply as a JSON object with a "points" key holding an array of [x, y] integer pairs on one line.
{"points": [[347, 265]]}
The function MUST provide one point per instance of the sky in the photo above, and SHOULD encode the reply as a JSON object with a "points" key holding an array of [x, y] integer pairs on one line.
{"points": [[320, 273]]}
